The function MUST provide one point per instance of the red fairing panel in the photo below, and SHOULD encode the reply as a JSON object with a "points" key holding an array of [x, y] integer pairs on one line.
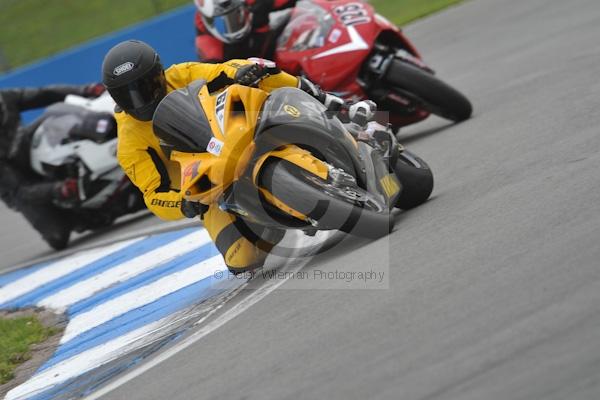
{"points": [[386, 25], [328, 41]]}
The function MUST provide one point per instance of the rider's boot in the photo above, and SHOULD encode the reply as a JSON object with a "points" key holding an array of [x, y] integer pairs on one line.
{"points": [[64, 194], [38, 204], [53, 224]]}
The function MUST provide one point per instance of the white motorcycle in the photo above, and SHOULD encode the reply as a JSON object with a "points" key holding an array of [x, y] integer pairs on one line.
{"points": [[77, 139]]}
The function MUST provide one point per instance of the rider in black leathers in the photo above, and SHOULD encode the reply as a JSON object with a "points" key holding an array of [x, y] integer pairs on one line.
{"points": [[20, 187]]}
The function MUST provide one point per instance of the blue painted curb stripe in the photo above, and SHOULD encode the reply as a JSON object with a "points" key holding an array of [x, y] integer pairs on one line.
{"points": [[89, 382], [137, 318], [94, 268], [180, 263]]}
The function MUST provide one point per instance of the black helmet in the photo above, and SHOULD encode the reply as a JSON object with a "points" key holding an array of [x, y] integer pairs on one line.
{"points": [[134, 77]]}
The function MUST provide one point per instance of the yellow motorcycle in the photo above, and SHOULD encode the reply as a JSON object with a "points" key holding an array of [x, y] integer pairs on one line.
{"points": [[281, 161]]}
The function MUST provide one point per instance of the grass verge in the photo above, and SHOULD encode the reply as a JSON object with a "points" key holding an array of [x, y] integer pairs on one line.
{"points": [[33, 29], [16, 337], [403, 11]]}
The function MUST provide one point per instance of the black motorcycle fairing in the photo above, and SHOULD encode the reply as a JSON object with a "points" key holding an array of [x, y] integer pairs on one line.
{"points": [[180, 121], [291, 116], [63, 123], [99, 127]]}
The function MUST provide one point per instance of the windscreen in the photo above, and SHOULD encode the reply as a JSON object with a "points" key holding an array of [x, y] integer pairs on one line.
{"points": [[307, 29], [180, 121]]}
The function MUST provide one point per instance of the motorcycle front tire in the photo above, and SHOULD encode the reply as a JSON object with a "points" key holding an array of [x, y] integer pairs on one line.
{"points": [[437, 96], [328, 205], [416, 178]]}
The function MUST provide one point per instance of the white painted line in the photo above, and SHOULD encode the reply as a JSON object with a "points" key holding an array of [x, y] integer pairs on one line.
{"points": [[230, 314], [142, 296], [57, 270], [86, 361], [253, 298], [135, 266]]}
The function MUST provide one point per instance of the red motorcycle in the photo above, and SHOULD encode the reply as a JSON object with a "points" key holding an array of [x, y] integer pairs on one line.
{"points": [[349, 49]]}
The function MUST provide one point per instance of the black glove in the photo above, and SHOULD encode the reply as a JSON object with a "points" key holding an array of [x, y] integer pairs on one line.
{"points": [[333, 103], [361, 112], [93, 90], [260, 13], [192, 209], [252, 74]]}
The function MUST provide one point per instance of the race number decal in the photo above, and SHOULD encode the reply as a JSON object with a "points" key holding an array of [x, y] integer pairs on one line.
{"points": [[220, 110], [352, 14]]}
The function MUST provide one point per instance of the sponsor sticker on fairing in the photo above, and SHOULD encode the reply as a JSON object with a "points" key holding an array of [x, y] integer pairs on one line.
{"points": [[335, 35], [291, 110], [215, 146]]}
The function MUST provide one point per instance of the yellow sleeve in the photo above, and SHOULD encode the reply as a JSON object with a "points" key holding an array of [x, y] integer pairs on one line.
{"points": [[143, 161], [282, 79], [180, 75]]}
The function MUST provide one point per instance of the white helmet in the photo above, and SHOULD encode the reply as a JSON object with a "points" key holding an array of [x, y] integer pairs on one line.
{"points": [[228, 20]]}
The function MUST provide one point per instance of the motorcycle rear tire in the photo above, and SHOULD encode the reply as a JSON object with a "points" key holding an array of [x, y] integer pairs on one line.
{"points": [[438, 97], [330, 207]]}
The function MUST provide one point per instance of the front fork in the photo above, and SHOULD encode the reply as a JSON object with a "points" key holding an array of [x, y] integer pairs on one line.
{"points": [[380, 181], [405, 109], [381, 58]]}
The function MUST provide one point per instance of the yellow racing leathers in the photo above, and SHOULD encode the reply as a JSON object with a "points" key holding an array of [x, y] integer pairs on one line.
{"points": [[141, 157]]}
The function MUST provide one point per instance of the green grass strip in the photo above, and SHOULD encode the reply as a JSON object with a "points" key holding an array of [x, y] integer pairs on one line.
{"points": [[16, 337], [403, 11], [33, 29]]}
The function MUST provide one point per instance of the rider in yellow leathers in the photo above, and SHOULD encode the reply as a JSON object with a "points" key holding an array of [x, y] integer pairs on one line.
{"points": [[134, 76]]}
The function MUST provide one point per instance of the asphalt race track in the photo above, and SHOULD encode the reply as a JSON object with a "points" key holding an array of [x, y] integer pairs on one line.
{"points": [[21, 245], [494, 284]]}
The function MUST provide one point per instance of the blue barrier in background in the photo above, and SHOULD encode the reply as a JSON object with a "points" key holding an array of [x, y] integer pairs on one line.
{"points": [[171, 34]]}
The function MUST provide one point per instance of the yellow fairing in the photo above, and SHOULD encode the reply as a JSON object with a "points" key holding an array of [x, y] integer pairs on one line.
{"points": [[297, 156], [300, 158], [233, 121], [233, 115]]}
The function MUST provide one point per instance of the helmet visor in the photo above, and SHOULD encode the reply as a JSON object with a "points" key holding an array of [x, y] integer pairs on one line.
{"points": [[142, 91], [231, 26]]}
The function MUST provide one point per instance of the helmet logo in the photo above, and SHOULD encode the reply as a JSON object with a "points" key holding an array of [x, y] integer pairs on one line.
{"points": [[125, 67]]}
